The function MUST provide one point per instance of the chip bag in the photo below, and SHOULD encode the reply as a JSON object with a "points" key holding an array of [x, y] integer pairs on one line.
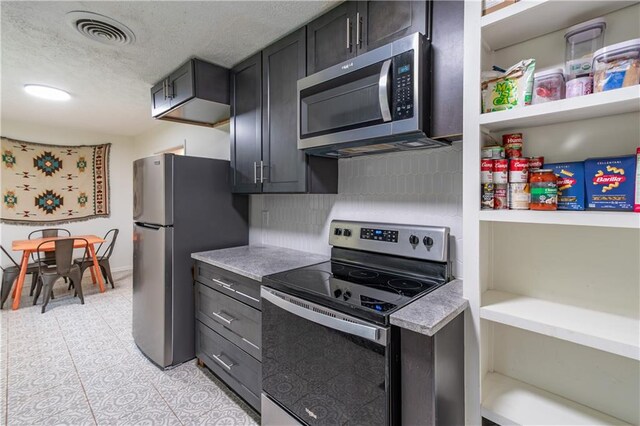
{"points": [[511, 90]]}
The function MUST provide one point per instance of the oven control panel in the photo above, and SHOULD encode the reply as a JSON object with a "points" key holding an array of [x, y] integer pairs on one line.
{"points": [[415, 241]]}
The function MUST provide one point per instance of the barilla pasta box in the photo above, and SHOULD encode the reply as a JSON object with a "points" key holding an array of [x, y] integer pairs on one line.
{"points": [[636, 206], [610, 183], [570, 184]]}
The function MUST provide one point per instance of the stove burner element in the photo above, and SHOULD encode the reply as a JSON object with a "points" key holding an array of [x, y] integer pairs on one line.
{"points": [[404, 284], [363, 274]]}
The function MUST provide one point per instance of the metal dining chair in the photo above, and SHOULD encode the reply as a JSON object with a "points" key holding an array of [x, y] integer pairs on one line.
{"points": [[10, 273], [49, 257], [103, 253], [64, 267]]}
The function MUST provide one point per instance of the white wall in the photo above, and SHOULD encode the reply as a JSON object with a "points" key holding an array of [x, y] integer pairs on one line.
{"points": [[120, 175], [420, 187], [199, 141]]}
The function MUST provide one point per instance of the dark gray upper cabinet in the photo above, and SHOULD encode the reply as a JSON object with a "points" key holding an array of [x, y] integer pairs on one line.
{"points": [[330, 38], [283, 64], [355, 27], [246, 125], [196, 93], [264, 146], [381, 22]]}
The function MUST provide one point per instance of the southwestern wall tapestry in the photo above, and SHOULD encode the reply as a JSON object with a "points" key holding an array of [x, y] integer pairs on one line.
{"points": [[48, 184]]}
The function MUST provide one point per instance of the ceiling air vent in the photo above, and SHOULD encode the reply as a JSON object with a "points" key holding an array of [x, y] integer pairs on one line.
{"points": [[101, 28]]}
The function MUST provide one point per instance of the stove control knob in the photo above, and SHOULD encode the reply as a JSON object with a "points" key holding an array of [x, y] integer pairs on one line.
{"points": [[428, 241], [337, 293], [347, 232], [338, 231], [414, 240], [347, 295]]}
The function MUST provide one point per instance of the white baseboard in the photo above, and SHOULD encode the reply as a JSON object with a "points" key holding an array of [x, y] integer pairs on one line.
{"points": [[122, 268]]}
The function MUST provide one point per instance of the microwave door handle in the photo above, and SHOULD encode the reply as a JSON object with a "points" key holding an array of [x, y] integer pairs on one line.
{"points": [[383, 91]]}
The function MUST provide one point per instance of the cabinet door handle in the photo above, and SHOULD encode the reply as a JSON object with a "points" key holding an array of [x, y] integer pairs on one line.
{"points": [[255, 172], [358, 30], [221, 362], [227, 321], [348, 33], [223, 284], [170, 93], [164, 89], [261, 171]]}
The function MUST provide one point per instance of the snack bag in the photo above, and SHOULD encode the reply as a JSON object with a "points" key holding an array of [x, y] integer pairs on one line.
{"points": [[570, 184], [510, 90], [610, 182]]}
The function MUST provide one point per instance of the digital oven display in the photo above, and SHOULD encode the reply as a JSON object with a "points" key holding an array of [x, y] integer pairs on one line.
{"points": [[386, 235], [403, 69]]}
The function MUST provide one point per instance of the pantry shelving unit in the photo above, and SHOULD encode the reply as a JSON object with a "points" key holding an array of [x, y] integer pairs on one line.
{"points": [[554, 326]]}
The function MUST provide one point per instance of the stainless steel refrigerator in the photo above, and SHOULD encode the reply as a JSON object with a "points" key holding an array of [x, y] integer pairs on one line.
{"points": [[181, 205]]}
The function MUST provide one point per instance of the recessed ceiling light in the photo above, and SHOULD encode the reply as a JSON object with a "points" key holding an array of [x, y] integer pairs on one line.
{"points": [[46, 92]]}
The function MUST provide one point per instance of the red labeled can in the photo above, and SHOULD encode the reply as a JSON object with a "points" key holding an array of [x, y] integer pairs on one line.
{"points": [[500, 191], [512, 145], [501, 171], [486, 170], [535, 162], [519, 170]]}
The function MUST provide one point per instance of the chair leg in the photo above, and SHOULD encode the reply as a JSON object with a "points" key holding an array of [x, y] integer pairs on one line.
{"points": [[107, 270], [77, 278], [46, 288], [38, 290], [34, 281], [93, 274]]}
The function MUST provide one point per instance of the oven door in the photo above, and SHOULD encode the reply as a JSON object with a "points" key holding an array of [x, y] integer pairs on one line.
{"points": [[324, 367]]}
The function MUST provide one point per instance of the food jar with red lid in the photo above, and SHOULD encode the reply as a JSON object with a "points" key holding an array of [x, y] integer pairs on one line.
{"points": [[543, 184]]}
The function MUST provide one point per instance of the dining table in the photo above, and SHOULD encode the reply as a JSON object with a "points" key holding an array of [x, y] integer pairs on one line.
{"points": [[27, 247]]}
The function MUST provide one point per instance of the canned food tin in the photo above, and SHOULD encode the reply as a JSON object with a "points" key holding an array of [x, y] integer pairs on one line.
{"points": [[500, 196], [519, 196], [486, 170], [535, 162], [494, 151], [500, 171], [486, 196], [512, 145], [518, 170]]}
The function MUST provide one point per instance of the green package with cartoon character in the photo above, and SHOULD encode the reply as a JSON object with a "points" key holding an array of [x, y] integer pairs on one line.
{"points": [[510, 90]]}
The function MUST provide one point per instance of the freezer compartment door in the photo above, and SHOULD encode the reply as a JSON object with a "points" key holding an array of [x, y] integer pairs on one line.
{"points": [[152, 284], [153, 190]]}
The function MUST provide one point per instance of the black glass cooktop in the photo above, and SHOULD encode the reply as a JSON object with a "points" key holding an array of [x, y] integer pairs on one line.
{"points": [[353, 290]]}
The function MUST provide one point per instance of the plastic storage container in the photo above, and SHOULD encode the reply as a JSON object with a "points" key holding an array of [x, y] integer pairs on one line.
{"points": [[582, 41], [548, 85], [617, 66]]}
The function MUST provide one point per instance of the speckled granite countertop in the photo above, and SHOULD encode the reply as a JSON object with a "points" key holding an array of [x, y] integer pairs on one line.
{"points": [[258, 261], [428, 314]]}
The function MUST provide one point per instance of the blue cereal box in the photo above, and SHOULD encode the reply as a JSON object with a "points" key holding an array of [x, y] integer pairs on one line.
{"points": [[610, 182], [570, 184]]}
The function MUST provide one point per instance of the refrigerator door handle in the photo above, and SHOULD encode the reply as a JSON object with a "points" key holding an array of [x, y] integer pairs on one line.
{"points": [[148, 225]]}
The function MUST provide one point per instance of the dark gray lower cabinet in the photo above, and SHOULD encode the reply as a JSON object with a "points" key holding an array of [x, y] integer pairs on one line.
{"points": [[229, 330]]}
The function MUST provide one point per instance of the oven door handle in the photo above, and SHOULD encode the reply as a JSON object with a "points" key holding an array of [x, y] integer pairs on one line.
{"points": [[383, 90], [331, 319]]}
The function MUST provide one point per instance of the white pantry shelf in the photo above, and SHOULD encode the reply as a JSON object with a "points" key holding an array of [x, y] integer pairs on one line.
{"points": [[564, 217], [602, 104], [529, 19], [604, 331], [509, 401]]}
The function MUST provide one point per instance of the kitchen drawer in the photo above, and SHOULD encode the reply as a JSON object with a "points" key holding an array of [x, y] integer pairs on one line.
{"points": [[240, 371], [236, 286], [239, 323]]}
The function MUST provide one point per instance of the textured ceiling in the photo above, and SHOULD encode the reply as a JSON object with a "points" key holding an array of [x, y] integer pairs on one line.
{"points": [[110, 85]]}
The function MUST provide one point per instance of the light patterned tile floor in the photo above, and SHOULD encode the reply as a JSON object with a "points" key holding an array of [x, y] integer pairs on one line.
{"points": [[78, 365]]}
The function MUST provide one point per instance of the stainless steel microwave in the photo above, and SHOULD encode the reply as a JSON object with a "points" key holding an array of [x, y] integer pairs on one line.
{"points": [[376, 102]]}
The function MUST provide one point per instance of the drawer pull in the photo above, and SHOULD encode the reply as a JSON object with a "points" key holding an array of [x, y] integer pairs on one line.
{"points": [[221, 362], [247, 296], [223, 319], [223, 284], [255, 346]]}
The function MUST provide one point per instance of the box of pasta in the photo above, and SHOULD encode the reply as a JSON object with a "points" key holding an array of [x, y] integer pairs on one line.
{"points": [[610, 183], [570, 184]]}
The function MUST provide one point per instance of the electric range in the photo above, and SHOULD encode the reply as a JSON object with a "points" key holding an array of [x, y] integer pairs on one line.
{"points": [[330, 355]]}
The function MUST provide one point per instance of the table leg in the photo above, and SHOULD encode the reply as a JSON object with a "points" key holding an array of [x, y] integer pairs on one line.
{"points": [[93, 274], [92, 251], [23, 273]]}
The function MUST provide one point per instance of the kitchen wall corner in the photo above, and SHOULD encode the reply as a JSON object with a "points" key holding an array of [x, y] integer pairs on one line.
{"points": [[418, 187]]}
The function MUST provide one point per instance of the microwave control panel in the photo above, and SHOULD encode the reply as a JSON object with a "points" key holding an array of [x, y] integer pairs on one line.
{"points": [[402, 76]]}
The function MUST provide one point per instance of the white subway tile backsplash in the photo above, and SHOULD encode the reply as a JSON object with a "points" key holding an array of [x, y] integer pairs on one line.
{"points": [[419, 187]]}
